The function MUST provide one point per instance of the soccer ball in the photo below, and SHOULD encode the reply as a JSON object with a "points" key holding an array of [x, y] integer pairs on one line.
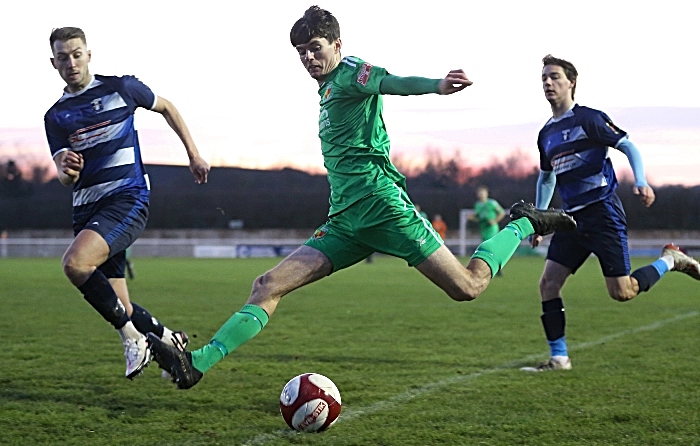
{"points": [[310, 403]]}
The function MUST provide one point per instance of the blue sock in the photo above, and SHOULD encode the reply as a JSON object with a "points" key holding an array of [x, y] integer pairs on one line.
{"points": [[660, 266], [647, 276], [558, 347]]}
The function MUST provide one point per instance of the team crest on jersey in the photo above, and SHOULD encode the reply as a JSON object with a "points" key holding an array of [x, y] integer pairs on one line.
{"points": [[320, 232], [363, 77], [97, 105], [327, 94], [565, 134]]}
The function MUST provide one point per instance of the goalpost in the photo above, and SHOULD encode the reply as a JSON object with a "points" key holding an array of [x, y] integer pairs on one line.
{"points": [[463, 218]]}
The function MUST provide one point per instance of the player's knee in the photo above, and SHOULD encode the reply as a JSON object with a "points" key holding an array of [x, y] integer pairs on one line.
{"points": [[466, 292], [264, 288], [72, 268], [259, 284], [463, 296]]}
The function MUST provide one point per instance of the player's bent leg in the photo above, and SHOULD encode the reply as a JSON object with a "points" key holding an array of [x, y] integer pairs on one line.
{"points": [[447, 272], [80, 264]]}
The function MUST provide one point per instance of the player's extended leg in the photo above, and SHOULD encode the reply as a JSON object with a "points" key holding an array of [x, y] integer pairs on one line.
{"points": [[461, 284], [526, 221], [553, 317], [303, 266], [80, 262], [642, 279]]}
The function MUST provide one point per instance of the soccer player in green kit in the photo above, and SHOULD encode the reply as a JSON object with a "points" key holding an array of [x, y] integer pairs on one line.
{"points": [[369, 208], [487, 212]]}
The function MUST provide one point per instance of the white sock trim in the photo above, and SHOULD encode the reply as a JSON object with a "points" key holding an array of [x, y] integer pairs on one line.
{"points": [[128, 331], [668, 260]]}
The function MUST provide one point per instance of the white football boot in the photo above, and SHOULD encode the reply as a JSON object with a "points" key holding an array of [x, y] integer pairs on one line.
{"points": [[682, 262], [136, 349], [553, 363], [137, 354]]}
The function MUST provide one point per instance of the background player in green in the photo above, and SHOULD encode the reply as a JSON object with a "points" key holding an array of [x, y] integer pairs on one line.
{"points": [[369, 208], [487, 212]]}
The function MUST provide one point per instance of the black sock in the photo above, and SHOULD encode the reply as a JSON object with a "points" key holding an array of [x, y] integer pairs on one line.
{"points": [[100, 294], [553, 318], [646, 277], [144, 322]]}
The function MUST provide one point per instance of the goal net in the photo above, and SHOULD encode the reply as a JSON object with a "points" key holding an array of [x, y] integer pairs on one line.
{"points": [[464, 242]]}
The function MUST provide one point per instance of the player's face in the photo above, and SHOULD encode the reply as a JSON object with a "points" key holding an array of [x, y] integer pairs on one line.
{"points": [[71, 59], [482, 194], [557, 88], [319, 56]]}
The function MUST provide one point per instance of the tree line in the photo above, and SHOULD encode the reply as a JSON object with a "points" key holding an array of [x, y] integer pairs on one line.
{"points": [[289, 198]]}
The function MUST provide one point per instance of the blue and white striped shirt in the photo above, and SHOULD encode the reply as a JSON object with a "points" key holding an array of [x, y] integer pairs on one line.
{"points": [[575, 148], [98, 122]]}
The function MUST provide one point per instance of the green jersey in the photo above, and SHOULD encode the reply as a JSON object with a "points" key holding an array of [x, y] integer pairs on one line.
{"points": [[487, 211], [354, 140]]}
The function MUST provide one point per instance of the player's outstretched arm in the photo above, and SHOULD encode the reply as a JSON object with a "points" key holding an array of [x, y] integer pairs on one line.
{"points": [[198, 166], [456, 80]]}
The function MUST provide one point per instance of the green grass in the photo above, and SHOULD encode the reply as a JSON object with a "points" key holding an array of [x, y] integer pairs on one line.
{"points": [[413, 367]]}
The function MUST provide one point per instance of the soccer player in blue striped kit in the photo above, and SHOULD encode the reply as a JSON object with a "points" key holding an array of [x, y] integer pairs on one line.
{"points": [[573, 148], [95, 147]]}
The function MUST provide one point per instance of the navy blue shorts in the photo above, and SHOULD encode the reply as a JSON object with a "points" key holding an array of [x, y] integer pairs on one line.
{"points": [[120, 220], [601, 229]]}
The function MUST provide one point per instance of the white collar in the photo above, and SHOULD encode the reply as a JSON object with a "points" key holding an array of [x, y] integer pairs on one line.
{"points": [[566, 114]]}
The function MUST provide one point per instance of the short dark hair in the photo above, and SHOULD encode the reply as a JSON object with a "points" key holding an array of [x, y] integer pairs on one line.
{"points": [[315, 22], [65, 34], [568, 67]]}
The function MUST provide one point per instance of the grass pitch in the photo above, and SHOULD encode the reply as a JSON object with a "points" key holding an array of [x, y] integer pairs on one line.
{"points": [[412, 366]]}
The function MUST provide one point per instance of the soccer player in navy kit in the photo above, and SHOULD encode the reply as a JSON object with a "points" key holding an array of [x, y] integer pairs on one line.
{"points": [[95, 147], [573, 148]]}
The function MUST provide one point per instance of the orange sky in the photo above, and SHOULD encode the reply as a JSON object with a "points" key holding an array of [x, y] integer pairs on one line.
{"points": [[667, 137]]}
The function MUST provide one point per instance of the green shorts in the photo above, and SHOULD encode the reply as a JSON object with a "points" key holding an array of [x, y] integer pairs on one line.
{"points": [[385, 221]]}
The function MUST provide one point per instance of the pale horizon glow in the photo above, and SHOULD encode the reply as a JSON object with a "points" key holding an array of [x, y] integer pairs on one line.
{"points": [[248, 102]]}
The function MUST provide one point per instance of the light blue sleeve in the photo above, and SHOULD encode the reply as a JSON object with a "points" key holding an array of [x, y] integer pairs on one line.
{"points": [[635, 158], [545, 188]]}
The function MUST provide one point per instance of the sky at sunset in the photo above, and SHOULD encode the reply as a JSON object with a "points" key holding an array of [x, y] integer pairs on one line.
{"points": [[238, 82]]}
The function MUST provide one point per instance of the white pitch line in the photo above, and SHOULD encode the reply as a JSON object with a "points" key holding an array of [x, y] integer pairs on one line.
{"points": [[350, 414]]}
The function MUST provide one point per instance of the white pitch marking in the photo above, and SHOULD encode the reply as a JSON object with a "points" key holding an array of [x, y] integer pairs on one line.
{"points": [[350, 414]]}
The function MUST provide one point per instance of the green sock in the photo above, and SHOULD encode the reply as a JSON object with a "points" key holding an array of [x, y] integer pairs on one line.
{"points": [[497, 250], [240, 328]]}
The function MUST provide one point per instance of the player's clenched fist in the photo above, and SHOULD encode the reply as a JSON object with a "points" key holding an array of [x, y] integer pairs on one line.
{"points": [[72, 164]]}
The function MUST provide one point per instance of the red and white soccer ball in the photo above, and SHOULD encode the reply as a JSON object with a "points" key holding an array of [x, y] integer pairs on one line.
{"points": [[310, 403]]}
